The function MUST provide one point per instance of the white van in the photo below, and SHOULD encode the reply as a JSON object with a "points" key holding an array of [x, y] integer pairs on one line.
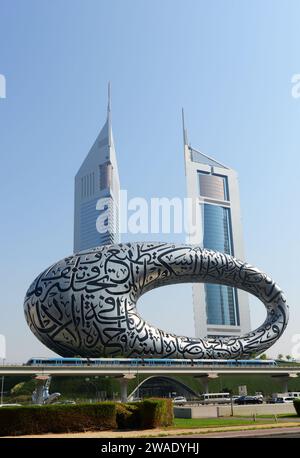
{"points": [[216, 398]]}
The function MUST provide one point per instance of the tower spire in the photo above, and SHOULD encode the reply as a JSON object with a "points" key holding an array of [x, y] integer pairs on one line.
{"points": [[184, 130], [109, 114], [109, 98]]}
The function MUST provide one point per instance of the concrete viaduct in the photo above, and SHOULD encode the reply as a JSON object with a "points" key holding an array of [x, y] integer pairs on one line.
{"points": [[125, 373]]}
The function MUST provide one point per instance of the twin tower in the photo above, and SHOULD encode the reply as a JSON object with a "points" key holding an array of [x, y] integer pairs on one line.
{"points": [[218, 310]]}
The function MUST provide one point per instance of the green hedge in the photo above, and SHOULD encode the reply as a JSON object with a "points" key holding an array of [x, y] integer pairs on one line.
{"points": [[57, 418], [156, 412], [297, 406], [150, 413], [129, 415]]}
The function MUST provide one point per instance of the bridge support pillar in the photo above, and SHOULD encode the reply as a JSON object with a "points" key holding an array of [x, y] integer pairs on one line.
{"points": [[205, 378], [124, 385], [284, 380]]}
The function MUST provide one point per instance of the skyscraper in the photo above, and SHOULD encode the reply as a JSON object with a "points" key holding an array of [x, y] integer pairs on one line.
{"points": [[218, 310], [97, 193]]}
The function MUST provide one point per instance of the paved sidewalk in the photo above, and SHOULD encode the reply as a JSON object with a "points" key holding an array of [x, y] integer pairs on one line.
{"points": [[167, 432], [293, 432]]}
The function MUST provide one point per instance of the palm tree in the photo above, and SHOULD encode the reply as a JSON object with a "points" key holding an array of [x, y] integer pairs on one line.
{"points": [[288, 357], [280, 357]]}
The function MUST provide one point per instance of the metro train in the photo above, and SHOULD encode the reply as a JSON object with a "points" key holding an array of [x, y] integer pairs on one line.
{"points": [[133, 362]]}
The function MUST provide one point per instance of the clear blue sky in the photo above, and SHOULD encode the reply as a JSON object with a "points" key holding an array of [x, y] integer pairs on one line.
{"points": [[229, 63]]}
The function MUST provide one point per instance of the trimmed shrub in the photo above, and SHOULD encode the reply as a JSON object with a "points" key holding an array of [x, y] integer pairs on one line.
{"points": [[297, 406], [57, 418], [150, 413], [129, 416], [156, 412], [147, 414]]}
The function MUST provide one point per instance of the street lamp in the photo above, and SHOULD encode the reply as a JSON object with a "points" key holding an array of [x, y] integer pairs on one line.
{"points": [[231, 404]]}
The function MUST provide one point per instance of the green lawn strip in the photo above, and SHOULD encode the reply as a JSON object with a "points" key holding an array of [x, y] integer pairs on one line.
{"points": [[185, 423]]}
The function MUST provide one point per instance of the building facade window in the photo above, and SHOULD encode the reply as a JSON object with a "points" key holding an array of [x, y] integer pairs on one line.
{"points": [[213, 186], [106, 171], [217, 233], [221, 300], [88, 185]]}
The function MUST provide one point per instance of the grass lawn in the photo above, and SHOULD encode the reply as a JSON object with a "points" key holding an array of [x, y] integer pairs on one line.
{"points": [[213, 422]]}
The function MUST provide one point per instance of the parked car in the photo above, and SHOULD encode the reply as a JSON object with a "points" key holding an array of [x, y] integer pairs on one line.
{"points": [[284, 400], [243, 400], [179, 400]]}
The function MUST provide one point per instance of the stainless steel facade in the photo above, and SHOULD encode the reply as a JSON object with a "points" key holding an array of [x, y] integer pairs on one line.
{"points": [[86, 304]]}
